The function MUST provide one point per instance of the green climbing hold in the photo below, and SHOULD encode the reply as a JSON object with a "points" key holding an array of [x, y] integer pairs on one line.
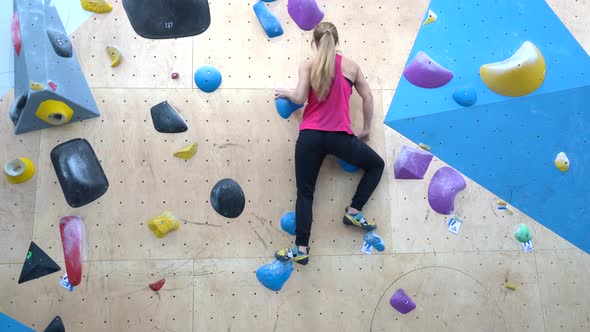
{"points": [[523, 234], [29, 254]]}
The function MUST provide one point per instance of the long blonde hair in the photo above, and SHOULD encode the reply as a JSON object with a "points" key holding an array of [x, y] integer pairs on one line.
{"points": [[325, 37]]}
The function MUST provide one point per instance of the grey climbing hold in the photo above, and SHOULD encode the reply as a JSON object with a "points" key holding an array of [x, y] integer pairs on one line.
{"points": [[227, 198], [167, 120], [61, 43]]}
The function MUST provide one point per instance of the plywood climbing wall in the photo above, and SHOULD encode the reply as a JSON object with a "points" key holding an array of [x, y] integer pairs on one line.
{"points": [[209, 264]]}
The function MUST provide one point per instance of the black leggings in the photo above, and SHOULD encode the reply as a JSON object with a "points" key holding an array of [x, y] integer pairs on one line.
{"points": [[311, 149]]}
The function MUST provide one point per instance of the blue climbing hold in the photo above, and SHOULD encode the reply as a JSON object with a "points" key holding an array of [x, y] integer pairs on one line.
{"points": [[375, 240], [269, 0], [288, 222], [285, 107], [347, 167], [465, 96], [208, 78], [269, 22], [274, 275]]}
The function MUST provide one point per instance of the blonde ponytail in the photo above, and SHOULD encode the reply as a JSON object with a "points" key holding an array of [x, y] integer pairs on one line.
{"points": [[322, 71]]}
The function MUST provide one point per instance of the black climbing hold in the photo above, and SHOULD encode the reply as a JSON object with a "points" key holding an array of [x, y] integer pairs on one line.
{"points": [[167, 120], [227, 198], [78, 170], [56, 325], [61, 43], [37, 264], [162, 19]]}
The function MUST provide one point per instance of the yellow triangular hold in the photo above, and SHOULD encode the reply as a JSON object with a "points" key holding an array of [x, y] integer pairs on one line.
{"points": [[114, 55], [431, 17], [96, 6], [187, 152]]}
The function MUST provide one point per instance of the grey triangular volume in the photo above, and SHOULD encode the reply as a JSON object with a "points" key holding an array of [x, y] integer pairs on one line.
{"points": [[37, 264], [50, 89]]}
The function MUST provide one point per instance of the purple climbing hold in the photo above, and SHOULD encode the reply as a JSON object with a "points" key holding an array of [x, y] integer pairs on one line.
{"points": [[444, 186], [305, 13], [426, 73], [402, 302], [411, 163]]}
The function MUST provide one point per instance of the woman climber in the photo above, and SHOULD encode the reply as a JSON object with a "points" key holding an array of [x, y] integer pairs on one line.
{"points": [[326, 84]]}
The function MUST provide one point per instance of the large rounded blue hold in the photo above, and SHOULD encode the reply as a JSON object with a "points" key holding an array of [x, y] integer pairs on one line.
{"points": [[274, 275], [375, 240], [208, 78], [285, 107], [350, 168], [465, 96], [288, 222]]}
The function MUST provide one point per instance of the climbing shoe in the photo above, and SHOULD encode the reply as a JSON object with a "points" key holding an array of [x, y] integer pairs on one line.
{"points": [[359, 221], [284, 255]]}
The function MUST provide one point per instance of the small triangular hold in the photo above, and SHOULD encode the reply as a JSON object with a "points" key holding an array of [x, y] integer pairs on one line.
{"points": [[167, 120], [56, 325], [37, 264]]}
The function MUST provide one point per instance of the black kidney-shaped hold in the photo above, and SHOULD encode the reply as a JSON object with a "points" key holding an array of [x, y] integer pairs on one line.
{"points": [[167, 120], [227, 198], [78, 170]]}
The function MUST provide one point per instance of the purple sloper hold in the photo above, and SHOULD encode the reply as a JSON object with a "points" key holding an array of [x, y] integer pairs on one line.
{"points": [[402, 302], [411, 163], [426, 73], [444, 186], [305, 13]]}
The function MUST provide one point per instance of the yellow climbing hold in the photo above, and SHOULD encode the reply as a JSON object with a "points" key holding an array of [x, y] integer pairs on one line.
{"points": [[114, 55], [562, 162], [509, 286], [96, 6], [163, 224], [37, 86], [431, 17], [424, 146], [187, 152], [19, 170], [519, 75], [54, 112]]}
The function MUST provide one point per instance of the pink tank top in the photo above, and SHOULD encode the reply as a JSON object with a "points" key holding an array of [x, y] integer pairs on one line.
{"points": [[332, 114]]}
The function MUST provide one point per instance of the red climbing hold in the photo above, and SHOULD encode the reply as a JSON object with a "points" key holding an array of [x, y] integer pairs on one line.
{"points": [[174, 75], [17, 40], [52, 85], [156, 286], [71, 238]]}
